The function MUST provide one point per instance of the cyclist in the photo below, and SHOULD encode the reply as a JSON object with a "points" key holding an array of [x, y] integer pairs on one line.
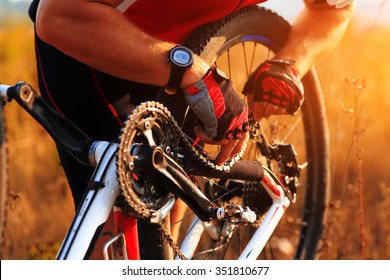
{"points": [[98, 59]]}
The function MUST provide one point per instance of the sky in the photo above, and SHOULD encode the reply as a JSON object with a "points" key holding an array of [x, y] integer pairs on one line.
{"points": [[367, 10]]}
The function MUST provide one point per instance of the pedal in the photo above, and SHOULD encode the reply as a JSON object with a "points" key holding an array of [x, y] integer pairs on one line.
{"points": [[236, 214]]}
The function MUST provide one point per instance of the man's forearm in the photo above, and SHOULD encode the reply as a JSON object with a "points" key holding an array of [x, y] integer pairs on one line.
{"points": [[96, 34], [313, 34]]}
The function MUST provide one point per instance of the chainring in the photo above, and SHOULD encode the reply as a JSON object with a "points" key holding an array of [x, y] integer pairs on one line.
{"points": [[152, 125], [149, 126]]}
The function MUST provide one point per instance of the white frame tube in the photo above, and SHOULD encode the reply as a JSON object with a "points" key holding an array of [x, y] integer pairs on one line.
{"points": [[258, 240], [95, 208]]}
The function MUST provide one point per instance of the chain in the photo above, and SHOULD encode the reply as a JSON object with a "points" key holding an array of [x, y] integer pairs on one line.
{"points": [[166, 235], [127, 133]]}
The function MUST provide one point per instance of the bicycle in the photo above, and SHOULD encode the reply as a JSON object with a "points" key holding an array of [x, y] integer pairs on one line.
{"points": [[155, 163]]}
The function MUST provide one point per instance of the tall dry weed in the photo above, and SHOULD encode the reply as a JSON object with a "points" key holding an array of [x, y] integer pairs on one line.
{"points": [[42, 206], [359, 138]]}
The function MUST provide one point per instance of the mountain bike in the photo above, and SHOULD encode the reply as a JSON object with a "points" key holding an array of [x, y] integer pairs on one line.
{"points": [[232, 213]]}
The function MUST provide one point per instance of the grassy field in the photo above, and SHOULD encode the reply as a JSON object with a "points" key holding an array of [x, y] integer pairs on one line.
{"points": [[42, 205], [356, 82]]}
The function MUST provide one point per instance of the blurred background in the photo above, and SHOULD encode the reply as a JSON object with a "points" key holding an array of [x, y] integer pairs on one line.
{"points": [[356, 82]]}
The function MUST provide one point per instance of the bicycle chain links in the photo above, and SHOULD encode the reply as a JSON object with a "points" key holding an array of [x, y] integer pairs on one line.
{"points": [[150, 125]]}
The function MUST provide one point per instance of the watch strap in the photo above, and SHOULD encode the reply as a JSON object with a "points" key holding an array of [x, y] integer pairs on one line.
{"points": [[175, 79]]}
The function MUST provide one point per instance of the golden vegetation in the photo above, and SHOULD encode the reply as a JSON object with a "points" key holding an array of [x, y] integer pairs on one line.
{"points": [[41, 208], [41, 214], [359, 66]]}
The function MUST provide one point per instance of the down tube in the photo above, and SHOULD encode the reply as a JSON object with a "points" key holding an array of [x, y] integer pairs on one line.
{"points": [[94, 210]]}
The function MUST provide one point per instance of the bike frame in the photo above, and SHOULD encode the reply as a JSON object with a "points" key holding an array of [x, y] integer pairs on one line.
{"points": [[99, 202], [96, 206], [103, 190]]}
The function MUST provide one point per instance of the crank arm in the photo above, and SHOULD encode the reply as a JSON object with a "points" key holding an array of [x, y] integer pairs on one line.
{"points": [[182, 186]]}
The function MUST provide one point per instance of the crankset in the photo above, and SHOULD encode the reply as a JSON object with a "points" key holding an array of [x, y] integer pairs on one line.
{"points": [[152, 156], [148, 127]]}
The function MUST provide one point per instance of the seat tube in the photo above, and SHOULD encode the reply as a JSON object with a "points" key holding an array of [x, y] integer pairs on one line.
{"points": [[127, 225]]}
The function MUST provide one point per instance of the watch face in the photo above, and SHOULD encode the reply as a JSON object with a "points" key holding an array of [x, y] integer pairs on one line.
{"points": [[182, 56]]}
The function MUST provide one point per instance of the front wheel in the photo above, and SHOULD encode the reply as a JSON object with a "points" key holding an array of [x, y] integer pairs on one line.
{"points": [[237, 45]]}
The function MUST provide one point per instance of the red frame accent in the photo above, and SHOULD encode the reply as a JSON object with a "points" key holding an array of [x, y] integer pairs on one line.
{"points": [[128, 226]]}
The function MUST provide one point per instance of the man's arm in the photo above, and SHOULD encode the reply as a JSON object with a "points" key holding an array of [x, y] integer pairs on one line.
{"points": [[316, 31], [95, 33]]}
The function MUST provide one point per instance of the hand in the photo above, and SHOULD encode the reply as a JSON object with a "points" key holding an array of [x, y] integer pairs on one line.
{"points": [[339, 3], [275, 88], [224, 115]]}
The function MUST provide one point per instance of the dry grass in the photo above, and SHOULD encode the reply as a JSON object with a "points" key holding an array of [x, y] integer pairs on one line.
{"points": [[42, 206], [39, 217], [362, 56]]}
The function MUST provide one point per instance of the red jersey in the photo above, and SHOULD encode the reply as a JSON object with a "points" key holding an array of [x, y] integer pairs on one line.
{"points": [[174, 20]]}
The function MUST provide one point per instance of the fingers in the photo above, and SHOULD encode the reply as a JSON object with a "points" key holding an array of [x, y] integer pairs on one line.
{"points": [[264, 109], [199, 132], [226, 151], [229, 147], [237, 148]]}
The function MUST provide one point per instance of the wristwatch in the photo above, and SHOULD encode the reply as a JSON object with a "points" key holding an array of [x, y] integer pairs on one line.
{"points": [[180, 58]]}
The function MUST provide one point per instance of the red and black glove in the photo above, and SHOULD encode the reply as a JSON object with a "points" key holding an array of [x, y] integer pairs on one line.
{"points": [[218, 106], [276, 83]]}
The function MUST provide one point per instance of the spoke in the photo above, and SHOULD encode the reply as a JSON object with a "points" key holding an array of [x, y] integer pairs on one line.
{"points": [[292, 128], [245, 59], [253, 57], [229, 64]]}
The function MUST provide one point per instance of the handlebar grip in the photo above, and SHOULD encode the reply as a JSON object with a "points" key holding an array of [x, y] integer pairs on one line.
{"points": [[63, 132]]}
